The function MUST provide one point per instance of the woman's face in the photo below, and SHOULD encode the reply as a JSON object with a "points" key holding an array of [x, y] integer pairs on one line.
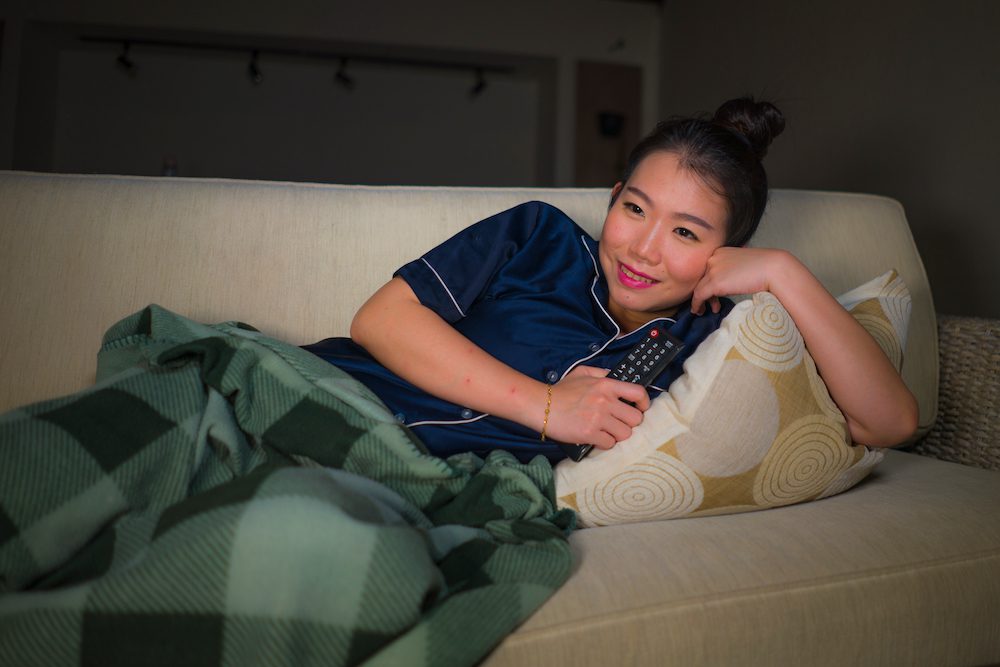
{"points": [[663, 226]]}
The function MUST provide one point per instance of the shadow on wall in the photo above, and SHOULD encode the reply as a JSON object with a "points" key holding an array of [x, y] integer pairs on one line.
{"points": [[879, 155], [280, 110], [886, 160], [960, 286]]}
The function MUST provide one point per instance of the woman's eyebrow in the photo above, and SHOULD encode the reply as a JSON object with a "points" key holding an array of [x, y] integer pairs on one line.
{"points": [[640, 194], [695, 220], [690, 217]]}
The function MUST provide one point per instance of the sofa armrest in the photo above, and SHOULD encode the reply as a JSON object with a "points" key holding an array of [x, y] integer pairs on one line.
{"points": [[967, 429]]}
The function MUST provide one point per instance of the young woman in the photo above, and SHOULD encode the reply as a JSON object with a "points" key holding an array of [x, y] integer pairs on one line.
{"points": [[501, 336]]}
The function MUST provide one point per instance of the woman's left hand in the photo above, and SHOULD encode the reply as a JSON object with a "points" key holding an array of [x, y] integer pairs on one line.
{"points": [[736, 271], [878, 407]]}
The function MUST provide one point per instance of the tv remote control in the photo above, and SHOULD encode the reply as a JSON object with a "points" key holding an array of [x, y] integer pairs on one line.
{"points": [[640, 365]]}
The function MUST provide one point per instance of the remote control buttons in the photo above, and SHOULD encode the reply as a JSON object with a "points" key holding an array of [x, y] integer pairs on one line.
{"points": [[654, 333]]}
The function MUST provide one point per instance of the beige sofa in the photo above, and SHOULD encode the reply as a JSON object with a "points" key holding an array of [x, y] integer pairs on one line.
{"points": [[903, 569]]}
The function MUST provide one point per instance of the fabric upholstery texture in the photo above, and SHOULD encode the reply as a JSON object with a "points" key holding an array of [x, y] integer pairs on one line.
{"points": [[750, 425], [223, 498], [101, 247], [902, 570]]}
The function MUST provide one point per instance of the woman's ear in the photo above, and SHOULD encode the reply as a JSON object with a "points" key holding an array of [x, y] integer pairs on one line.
{"points": [[615, 191]]}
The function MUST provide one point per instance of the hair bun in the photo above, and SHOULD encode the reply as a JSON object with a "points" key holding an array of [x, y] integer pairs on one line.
{"points": [[759, 122]]}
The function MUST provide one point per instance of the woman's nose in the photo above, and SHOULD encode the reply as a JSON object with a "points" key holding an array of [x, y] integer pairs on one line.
{"points": [[646, 245]]}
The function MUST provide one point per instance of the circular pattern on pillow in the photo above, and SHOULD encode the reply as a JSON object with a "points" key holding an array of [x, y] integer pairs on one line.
{"points": [[658, 487], [883, 333], [767, 337], [896, 304], [854, 474], [750, 424], [803, 461]]}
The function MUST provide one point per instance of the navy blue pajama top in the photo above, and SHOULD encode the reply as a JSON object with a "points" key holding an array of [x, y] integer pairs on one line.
{"points": [[525, 285]]}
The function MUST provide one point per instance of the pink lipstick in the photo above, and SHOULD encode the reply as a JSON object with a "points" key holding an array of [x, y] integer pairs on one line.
{"points": [[633, 279]]}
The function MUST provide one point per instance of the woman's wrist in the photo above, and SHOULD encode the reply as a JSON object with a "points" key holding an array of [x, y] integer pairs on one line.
{"points": [[548, 409], [525, 401], [538, 408]]}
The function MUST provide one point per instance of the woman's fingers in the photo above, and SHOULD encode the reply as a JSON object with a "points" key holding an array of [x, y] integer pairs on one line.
{"points": [[635, 394], [586, 371], [618, 429], [589, 408], [704, 294], [602, 440], [630, 416]]}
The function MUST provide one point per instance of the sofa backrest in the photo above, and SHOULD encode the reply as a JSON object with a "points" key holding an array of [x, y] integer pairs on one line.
{"points": [[296, 260]]}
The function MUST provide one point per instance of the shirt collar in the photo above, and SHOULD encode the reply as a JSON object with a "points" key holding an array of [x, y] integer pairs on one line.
{"points": [[600, 295], [599, 289]]}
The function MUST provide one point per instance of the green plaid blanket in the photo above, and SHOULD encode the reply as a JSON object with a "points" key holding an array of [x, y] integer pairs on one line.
{"points": [[222, 498]]}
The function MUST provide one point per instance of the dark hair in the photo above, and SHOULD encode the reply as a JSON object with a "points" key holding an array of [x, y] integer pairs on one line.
{"points": [[725, 151]]}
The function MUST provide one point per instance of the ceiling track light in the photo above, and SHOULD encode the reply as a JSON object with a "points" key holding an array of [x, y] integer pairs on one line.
{"points": [[125, 61], [480, 85], [342, 77], [253, 69]]}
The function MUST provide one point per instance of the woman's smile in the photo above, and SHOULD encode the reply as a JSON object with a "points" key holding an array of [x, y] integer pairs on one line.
{"points": [[660, 230], [634, 279]]}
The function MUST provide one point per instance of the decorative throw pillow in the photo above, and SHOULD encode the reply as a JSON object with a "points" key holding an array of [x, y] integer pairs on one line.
{"points": [[748, 426]]}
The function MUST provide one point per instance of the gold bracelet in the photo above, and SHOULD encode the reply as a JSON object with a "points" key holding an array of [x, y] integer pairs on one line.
{"points": [[548, 407]]}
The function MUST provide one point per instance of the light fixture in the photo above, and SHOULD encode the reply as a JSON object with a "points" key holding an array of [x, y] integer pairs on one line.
{"points": [[342, 77], [253, 69], [480, 85], [124, 61]]}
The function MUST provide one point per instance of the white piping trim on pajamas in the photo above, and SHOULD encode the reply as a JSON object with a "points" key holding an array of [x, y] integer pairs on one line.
{"points": [[450, 296], [593, 284], [431, 422], [600, 305]]}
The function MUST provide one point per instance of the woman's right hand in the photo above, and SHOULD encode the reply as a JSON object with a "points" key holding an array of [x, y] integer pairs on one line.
{"points": [[586, 408], [434, 356]]}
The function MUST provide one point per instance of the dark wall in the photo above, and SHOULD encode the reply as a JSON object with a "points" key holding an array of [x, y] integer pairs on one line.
{"points": [[188, 106], [899, 98], [59, 97]]}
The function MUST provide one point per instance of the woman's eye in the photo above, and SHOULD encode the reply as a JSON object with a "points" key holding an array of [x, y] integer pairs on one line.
{"points": [[686, 233], [632, 208]]}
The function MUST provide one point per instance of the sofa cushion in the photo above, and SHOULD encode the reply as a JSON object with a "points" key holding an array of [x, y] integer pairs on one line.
{"points": [[749, 425], [872, 577], [296, 260]]}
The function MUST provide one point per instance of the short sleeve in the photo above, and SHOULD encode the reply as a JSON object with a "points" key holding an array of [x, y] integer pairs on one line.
{"points": [[451, 277]]}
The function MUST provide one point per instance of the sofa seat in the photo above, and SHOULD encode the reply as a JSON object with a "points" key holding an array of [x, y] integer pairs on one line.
{"points": [[903, 569], [873, 576]]}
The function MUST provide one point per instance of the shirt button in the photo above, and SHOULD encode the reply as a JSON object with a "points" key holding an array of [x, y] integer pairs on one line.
{"points": [[467, 413], [400, 417], [594, 347], [552, 377]]}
